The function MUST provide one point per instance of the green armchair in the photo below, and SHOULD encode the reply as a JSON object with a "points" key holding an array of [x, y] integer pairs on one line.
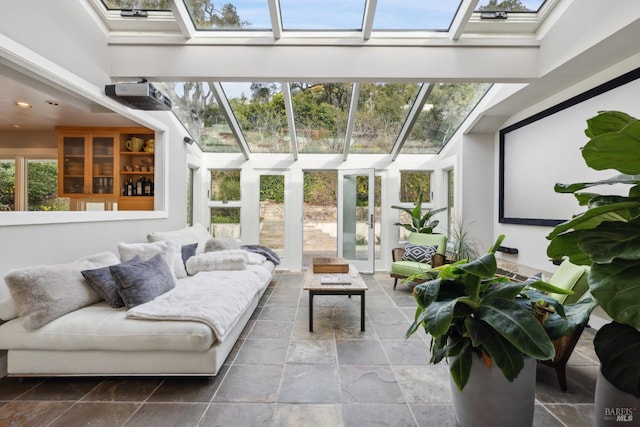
{"points": [[406, 266], [572, 277]]}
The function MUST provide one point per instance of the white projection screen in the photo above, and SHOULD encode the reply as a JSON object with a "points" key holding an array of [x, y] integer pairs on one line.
{"points": [[544, 149]]}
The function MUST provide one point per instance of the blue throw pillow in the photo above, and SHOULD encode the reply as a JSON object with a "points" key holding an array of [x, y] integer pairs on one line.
{"points": [[102, 281], [419, 253], [188, 251], [140, 282]]}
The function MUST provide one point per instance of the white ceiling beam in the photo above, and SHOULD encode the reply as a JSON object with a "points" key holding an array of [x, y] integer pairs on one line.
{"points": [[276, 19], [288, 106], [462, 18], [367, 22], [416, 109], [353, 109], [223, 102], [499, 64], [183, 19]]}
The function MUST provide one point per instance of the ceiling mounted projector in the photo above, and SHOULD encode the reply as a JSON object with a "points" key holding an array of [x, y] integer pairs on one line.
{"points": [[139, 96]]}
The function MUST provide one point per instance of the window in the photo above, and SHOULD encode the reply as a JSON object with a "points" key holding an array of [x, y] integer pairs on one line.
{"points": [[225, 206], [411, 184], [190, 174], [7, 185], [30, 184]]}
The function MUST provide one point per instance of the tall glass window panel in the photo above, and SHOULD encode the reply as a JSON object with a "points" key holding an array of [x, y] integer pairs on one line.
{"points": [[225, 222], [42, 187], [196, 108], [320, 213], [446, 108], [378, 217], [7, 185], [272, 212], [382, 110], [225, 185], [509, 5], [320, 111], [190, 182], [411, 184], [435, 15], [322, 15], [235, 15], [137, 4], [259, 109]]}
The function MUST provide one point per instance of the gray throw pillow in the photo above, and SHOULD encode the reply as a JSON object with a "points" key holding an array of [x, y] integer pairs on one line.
{"points": [[140, 282], [188, 251], [102, 281], [44, 293]]}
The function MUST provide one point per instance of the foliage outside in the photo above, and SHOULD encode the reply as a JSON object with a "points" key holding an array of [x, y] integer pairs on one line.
{"points": [[606, 236], [42, 187], [469, 312]]}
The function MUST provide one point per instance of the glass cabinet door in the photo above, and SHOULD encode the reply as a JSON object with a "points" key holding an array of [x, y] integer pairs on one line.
{"points": [[102, 164], [73, 157]]}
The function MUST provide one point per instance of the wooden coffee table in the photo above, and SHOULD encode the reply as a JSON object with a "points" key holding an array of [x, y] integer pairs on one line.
{"points": [[313, 285]]}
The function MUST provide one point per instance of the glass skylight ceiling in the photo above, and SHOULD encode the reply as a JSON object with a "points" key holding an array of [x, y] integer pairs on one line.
{"points": [[312, 117]]}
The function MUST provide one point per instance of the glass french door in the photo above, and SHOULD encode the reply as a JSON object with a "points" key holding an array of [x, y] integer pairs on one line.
{"points": [[356, 219]]}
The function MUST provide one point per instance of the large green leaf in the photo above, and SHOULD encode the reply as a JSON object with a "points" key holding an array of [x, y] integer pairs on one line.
{"points": [[506, 357], [594, 216], [439, 316], [427, 292], [518, 326], [618, 348], [566, 245], [616, 287], [577, 314], [504, 290], [615, 150], [611, 240], [461, 366], [483, 267], [577, 186], [607, 121]]}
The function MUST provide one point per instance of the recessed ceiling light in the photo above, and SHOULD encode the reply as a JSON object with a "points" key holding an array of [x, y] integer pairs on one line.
{"points": [[17, 126], [22, 104], [54, 103]]}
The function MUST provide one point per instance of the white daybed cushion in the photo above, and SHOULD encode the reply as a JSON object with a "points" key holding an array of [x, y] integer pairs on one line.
{"points": [[102, 327]]}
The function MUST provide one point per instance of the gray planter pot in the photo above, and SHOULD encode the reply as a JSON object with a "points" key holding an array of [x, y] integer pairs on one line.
{"points": [[614, 407], [489, 399]]}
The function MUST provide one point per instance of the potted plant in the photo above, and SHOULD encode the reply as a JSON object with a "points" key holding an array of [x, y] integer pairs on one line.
{"points": [[461, 245], [486, 327], [606, 236], [420, 223]]}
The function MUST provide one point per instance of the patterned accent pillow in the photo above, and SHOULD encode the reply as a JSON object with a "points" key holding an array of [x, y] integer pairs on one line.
{"points": [[419, 253]]}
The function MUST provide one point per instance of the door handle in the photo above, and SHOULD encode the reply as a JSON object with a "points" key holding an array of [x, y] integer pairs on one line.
{"points": [[371, 222]]}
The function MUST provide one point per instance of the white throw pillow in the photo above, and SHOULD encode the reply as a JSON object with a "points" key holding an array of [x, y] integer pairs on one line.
{"points": [[195, 234], [234, 259], [171, 252], [255, 258]]}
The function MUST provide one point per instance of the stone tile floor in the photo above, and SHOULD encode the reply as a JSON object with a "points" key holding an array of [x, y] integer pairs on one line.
{"points": [[280, 374]]}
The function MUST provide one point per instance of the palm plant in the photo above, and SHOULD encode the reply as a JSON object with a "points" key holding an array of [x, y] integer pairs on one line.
{"points": [[420, 223]]}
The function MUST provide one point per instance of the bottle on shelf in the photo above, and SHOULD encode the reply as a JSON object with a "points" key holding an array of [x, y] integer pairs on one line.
{"points": [[139, 189]]}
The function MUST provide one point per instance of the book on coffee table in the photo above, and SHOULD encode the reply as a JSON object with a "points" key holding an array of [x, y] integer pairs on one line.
{"points": [[335, 279]]}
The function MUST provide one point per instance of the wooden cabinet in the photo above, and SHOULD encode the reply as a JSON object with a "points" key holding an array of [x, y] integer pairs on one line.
{"points": [[87, 164], [111, 164]]}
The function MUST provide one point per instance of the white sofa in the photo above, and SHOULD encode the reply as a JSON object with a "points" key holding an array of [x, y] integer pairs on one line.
{"points": [[97, 339]]}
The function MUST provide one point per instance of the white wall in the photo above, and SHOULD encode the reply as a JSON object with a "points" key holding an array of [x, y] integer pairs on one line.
{"points": [[531, 240], [64, 34]]}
